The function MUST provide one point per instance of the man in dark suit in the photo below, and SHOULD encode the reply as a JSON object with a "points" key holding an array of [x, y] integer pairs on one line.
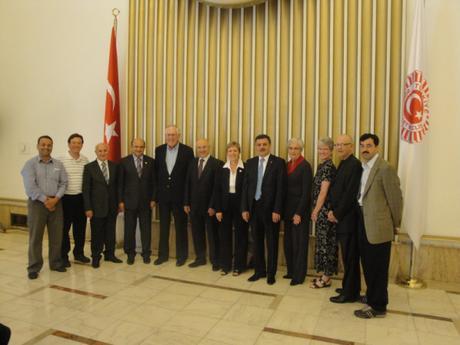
{"points": [[197, 203], [344, 203], [262, 202], [171, 163], [380, 201], [100, 201], [136, 194]]}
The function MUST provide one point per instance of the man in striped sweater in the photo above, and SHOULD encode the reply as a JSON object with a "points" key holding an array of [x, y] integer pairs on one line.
{"points": [[72, 202]]}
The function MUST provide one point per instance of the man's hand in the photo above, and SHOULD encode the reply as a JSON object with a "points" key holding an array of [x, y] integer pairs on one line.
{"points": [[89, 214], [245, 215], [211, 212], [152, 204], [50, 203], [187, 209], [296, 219], [331, 217], [219, 216], [276, 217], [121, 207]]}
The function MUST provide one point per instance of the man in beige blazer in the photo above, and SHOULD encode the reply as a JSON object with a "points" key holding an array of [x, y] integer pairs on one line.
{"points": [[380, 201]]}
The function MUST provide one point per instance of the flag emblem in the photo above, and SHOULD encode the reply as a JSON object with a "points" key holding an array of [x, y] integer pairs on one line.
{"points": [[415, 121]]}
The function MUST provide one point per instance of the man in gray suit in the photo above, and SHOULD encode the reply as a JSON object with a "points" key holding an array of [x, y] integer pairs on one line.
{"points": [[380, 201]]}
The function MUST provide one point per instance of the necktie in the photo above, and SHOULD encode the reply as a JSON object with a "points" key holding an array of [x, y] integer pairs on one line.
{"points": [[105, 171], [139, 166], [200, 167], [260, 176]]}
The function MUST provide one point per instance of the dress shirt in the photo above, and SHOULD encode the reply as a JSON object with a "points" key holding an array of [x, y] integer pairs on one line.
{"points": [[267, 157], [107, 166], [205, 160], [171, 156], [367, 167], [232, 180], [44, 179], [74, 169]]}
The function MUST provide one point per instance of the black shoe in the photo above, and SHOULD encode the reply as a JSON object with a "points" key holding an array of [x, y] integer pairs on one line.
{"points": [[287, 276], [342, 299], [59, 269], [215, 267], [130, 259], [146, 259], [339, 290], [159, 261], [180, 262], [271, 280], [32, 275], [82, 258], [294, 282], [113, 259], [95, 263], [66, 263], [256, 277], [369, 313], [196, 263]]}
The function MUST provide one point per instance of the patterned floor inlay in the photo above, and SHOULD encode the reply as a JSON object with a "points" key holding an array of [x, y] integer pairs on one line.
{"points": [[426, 316], [39, 337], [34, 291], [215, 286], [453, 292], [141, 280], [308, 336], [78, 338], [79, 292]]}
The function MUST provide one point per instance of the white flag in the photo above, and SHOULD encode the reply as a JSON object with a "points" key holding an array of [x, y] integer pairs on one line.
{"points": [[413, 141]]}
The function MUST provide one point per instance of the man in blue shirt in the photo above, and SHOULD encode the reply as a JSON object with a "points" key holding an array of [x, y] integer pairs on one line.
{"points": [[45, 181]]}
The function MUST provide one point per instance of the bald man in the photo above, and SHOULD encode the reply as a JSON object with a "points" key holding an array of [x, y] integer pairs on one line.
{"points": [[343, 196], [101, 204], [199, 187], [136, 195], [171, 164]]}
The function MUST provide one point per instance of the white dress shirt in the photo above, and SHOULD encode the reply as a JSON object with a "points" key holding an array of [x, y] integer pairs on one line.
{"points": [[232, 180], [367, 167]]}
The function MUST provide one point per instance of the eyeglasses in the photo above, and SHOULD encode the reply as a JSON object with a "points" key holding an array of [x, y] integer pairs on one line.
{"points": [[341, 145]]}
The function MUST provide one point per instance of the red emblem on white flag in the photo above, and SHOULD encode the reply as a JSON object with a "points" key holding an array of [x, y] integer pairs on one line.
{"points": [[415, 108], [112, 104]]}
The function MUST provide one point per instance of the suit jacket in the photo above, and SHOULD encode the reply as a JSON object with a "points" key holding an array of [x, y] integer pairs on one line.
{"points": [[298, 196], [99, 196], [172, 187], [198, 191], [220, 199], [382, 203], [273, 185], [134, 191], [343, 195]]}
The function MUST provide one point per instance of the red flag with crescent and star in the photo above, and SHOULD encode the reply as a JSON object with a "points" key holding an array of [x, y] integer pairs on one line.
{"points": [[413, 144], [112, 104]]}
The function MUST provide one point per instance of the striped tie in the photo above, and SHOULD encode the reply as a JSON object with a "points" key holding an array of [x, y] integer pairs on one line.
{"points": [[105, 172]]}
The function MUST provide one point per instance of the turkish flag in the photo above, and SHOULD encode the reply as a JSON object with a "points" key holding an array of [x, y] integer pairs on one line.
{"points": [[413, 145], [112, 104]]}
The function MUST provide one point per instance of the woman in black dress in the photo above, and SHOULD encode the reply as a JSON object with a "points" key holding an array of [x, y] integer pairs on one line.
{"points": [[296, 213], [326, 245], [227, 203]]}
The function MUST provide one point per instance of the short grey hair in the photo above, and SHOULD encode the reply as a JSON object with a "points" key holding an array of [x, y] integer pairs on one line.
{"points": [[296, 141], [327, 142]]}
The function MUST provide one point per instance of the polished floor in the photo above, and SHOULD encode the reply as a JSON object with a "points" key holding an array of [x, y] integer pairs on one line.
{"points": [[147, 304]]}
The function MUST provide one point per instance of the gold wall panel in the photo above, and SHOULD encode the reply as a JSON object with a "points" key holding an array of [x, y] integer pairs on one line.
{"points": [[304, 68]]}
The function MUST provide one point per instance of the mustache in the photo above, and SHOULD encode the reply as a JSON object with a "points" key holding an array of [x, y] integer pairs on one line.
{"points": [[365, 151]]}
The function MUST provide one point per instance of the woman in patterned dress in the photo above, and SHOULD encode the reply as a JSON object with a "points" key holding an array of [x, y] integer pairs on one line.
{"points": [[326, 245]]}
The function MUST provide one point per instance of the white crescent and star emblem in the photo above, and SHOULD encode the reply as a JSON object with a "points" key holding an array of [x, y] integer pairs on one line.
{"points": [[110, 131]]}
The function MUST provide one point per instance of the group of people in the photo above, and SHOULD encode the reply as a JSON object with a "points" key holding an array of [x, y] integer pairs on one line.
{"points": [[356, 206]]}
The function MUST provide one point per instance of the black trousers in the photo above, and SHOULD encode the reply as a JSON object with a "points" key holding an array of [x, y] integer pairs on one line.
{"points": [[145, 226], [205, 226], [375, 259], [103, 236], [351, 283], [5, 334], [296, 249], [180, 222], [74, 215], [264, 228], [233, 225]]}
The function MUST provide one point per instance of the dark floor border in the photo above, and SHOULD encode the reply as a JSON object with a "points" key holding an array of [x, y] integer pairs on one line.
{"points": [[308, 336], [79, 292], [78, 338]]}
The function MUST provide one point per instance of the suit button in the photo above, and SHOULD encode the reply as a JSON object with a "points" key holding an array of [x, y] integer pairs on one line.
{"points": [[169, 178]]}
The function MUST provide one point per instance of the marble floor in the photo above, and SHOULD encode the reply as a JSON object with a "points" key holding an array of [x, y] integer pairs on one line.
{"points": [[147, 304]]}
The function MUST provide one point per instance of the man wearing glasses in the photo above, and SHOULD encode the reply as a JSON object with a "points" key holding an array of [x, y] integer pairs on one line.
{"points": [[344, 212]]}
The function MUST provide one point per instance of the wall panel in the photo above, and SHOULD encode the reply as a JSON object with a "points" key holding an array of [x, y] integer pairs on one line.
{"points": [[304, 68]]}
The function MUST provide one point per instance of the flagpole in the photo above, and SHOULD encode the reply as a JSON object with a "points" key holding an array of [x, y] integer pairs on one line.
{"points": [[115, 13], [411, 282]]}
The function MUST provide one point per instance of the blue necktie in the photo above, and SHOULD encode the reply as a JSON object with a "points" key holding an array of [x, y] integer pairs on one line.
{"points": [[260, 176]]}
